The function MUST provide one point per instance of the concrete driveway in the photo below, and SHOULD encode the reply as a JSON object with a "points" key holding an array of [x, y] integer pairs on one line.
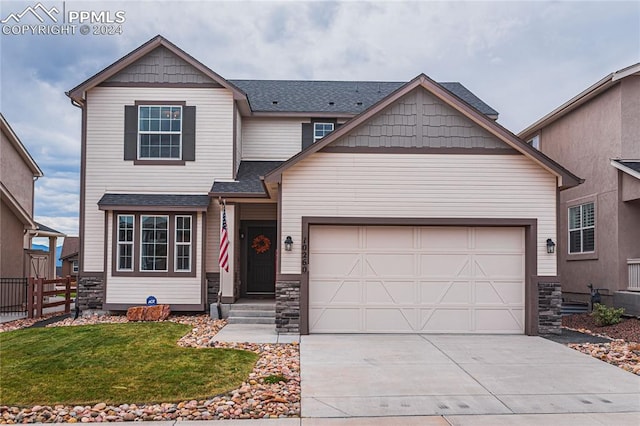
{"points": [[421, 375]]}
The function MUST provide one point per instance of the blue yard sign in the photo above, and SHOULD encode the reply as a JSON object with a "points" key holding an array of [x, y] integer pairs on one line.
{"points": [[152, 301]]}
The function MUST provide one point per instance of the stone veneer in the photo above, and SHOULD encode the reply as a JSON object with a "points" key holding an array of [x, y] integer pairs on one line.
{"points": [[90, 292], [288, 306], [213, 287], [549, 307]]}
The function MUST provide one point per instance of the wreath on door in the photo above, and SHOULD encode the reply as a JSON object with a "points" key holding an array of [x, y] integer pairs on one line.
{"points": [[261, 244]]}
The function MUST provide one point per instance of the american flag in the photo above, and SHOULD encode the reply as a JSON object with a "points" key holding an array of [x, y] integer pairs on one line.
{"points": [[223, 260]]}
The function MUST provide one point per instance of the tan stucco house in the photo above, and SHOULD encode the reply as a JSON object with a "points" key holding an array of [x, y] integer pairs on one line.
{"points": [[353, 206], [18, 174], [597, 135]]}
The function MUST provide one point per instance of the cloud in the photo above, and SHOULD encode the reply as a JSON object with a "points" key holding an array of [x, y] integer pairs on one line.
{"points": [[522, 58]]}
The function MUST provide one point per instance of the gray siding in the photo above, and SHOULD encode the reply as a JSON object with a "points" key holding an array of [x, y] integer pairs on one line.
{"points": [[160, 66], [420, 120]]}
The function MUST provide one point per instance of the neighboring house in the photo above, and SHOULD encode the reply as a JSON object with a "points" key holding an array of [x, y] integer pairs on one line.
{"points": [[597, 135], [18, 174], [357, 206], [69, 257]]}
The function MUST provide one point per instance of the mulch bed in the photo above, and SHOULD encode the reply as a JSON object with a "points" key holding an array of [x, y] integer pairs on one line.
{"points": [[628, 330]]}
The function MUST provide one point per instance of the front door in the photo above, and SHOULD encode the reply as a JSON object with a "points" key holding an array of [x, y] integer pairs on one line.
{"points": [[261, 259]]}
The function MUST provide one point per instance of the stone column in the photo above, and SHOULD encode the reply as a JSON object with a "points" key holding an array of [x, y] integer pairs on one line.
{"points": [[288, 306], [549, 308]]}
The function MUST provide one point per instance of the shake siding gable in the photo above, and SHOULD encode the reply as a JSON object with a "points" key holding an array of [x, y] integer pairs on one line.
{"points": [[420, 120], [418, 186], [270, 139], [107, 172]]}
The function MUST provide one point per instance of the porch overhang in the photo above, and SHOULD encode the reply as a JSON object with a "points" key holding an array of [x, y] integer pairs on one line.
{"points": [[154, 202]]}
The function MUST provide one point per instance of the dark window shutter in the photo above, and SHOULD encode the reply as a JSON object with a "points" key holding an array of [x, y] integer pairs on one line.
{"points": [[337, 126], [130, 132], [189, 133], [307, 135]]}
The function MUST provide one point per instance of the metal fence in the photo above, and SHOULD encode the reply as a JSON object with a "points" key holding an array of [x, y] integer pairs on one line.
{"points": [[13, 295]]}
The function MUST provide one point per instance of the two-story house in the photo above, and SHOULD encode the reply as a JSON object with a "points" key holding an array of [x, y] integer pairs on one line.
{"points": [[597, 135], [18, 174], [356, 206]]}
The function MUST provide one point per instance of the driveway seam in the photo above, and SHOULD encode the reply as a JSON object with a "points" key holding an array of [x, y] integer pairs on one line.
{"points": [[466, 372], [322, 402]]}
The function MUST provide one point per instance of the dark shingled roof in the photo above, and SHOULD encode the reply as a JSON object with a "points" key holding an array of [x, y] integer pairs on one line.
{"points": [[633, 165], [248, 179], [350, 97], [154, 200], [45, 228]]}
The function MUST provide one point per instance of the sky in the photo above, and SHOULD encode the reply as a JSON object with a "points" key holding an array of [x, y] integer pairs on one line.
{"points": [[524, 59]]}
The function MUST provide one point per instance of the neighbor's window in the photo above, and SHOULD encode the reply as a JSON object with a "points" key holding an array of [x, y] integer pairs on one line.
{"points": [[154, 243], [125, 243], [320, 130], [535, 142], [582, 228], [183, 244], [74, 267], [159, 131]]}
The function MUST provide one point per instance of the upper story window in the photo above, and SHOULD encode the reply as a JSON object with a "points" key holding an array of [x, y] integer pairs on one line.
{"points": [[582, 228], [159, 132], [535, 142], [320, 130], [74, 267]]}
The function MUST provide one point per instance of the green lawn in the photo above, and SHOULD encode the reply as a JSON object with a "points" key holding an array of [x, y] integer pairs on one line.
{"points": [[113, 363]]}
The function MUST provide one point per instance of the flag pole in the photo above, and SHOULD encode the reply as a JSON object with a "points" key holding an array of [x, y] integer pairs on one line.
{"points": [[219, 298]]}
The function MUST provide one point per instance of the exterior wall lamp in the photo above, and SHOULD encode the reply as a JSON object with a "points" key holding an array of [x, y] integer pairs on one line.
{"points": [[551, 246], [288, 243]]}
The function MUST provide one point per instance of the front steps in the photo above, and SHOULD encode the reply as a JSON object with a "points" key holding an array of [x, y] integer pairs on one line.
{"points": [[250, 312]]}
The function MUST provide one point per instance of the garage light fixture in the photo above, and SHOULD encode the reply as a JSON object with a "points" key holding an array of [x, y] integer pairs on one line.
{"points": [[551, 246], [288, 243]]}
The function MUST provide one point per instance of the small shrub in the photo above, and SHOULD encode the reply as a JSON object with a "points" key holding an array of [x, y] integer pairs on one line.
{"points": [[275, 378], [604, 315]]}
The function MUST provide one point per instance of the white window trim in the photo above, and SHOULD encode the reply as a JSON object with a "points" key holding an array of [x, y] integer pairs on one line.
{"points": [[333, 127], [160, 132], [131, 243], [142, 216], [176, 243], [581, 228]]}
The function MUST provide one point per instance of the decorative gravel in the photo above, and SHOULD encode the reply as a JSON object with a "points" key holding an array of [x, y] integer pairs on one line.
{"points": [[623, 351], [254, 399]]}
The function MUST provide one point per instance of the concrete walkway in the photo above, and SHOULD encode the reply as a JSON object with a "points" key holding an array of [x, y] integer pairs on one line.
{"points": [[423, 375], [254, 333]]}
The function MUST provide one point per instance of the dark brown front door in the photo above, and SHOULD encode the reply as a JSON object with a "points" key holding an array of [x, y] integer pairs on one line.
{"points": [[261, 259]]}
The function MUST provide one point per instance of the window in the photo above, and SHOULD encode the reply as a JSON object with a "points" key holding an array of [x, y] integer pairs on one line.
{"points": [[159, 132], [320, 130], [74, 267], [582, 228], [154, 243], [183, 244], [535, 142], [125, 242]]}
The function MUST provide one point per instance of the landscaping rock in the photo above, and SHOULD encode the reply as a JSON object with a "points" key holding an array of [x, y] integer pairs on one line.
{"points": [[148, 313], [136, 313], [253, 399]]}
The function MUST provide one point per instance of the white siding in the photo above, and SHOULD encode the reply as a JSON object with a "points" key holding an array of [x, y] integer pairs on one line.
{"points": [[174, 290], [106, 171], [271, 138], [406, 185], [213, 237]]}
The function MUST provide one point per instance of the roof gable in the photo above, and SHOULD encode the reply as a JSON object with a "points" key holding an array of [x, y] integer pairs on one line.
{"points": [[77, 93], [161, 66], [420, 120], [566, 178]]}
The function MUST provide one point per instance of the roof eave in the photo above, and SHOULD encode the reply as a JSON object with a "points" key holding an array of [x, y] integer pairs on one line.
{"points": [[625, 169], [578, 100], [22, 150]]}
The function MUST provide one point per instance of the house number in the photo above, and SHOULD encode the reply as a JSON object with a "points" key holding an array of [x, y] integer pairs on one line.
{"points": [[305, 255]]}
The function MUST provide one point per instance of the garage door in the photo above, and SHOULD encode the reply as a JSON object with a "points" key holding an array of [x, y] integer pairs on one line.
{"points": [[403, 279]]}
